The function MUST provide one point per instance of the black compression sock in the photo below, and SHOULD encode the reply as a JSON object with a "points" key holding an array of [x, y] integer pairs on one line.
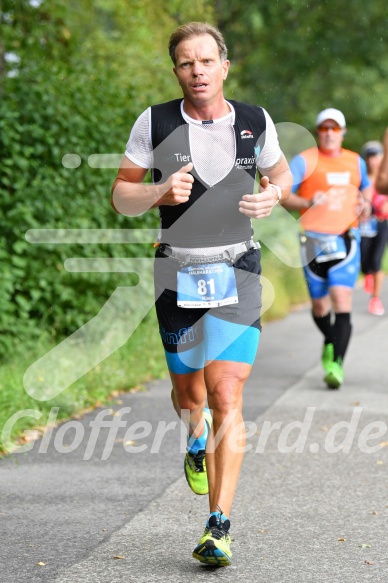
{"points": [[342, 330], [325, 326]]}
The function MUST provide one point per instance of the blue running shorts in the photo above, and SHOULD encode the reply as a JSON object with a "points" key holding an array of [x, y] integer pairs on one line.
{"points": [[193, 336], [321, 276]]}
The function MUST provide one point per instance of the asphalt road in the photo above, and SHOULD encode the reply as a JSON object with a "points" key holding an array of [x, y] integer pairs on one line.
{"points": [[312, 502]]}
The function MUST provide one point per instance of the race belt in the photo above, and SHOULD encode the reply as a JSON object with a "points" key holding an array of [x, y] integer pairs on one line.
{"points": [[326, 247], [228, 255]]}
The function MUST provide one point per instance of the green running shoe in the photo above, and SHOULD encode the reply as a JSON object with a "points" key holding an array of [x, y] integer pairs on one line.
{"points": [[327, 356], [214, 547], [195, 472], [334, 375], [195, 465]]}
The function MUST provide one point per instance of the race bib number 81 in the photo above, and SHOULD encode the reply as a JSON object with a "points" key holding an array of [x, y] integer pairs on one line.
{"points": [[207, 286]]}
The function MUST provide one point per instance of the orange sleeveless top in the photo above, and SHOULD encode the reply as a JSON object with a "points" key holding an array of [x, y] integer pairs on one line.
{"points": [[337, 179]]}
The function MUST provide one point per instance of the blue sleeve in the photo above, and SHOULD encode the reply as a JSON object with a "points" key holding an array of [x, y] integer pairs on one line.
{"points": [[365, 182], [298, 170]]}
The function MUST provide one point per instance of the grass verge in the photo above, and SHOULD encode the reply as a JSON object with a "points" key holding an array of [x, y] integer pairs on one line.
{"points": [[138, 361]]}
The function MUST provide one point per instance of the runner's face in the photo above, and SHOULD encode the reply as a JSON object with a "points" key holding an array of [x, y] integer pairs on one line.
{"points": [[373, 162], [330, 136], [199, 69]]}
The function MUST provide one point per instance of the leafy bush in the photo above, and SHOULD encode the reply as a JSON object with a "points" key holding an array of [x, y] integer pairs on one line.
{"points": [[68, 105]]}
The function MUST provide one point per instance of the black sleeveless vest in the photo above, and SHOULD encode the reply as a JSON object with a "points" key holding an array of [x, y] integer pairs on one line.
{"points": [[211, 216]]}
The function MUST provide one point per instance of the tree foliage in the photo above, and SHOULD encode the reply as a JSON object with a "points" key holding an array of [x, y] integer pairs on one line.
{"points": [[296, 58]]}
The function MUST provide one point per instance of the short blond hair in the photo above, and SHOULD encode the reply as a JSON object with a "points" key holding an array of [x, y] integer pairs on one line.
{"points": [[191, 29]]}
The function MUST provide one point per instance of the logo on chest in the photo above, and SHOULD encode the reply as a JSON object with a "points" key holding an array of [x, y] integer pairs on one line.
{"points": [[246, 134], [246, 152], [177, 157], [338, 178]]}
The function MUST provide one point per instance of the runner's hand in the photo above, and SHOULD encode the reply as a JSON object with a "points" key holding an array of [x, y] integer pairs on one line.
{"points": [[178, 187], [319, 198], [363, 207], [257, 206]]}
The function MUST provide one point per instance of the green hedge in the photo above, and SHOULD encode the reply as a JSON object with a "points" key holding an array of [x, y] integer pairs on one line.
{"points": [[85, 115]]}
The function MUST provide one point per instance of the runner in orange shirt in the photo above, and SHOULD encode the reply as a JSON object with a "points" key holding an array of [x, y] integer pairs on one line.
{"points": [[326, 191]]}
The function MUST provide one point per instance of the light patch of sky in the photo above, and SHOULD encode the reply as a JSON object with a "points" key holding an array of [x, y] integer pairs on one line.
{"points": [[11, 57], [6, 17]]}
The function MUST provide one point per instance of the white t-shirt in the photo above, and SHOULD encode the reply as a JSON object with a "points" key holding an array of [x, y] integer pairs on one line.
{"points": [[213, 146]]}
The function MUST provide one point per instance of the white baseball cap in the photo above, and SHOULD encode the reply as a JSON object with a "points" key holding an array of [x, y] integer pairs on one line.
{"points": [[331, 113]]}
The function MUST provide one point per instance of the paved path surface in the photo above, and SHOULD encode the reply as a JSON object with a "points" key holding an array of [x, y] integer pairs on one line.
{"points": [[312, 501]]}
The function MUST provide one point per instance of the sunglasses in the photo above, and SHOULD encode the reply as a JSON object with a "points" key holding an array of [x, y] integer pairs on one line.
{"points": [[325, 130]]}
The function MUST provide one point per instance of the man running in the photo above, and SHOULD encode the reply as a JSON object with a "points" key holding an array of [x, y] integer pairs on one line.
{"points": [[328, 180], [204, 152]]}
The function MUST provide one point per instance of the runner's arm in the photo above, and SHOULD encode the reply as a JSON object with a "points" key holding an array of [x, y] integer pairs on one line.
{"points": [[131, 197], [280, 175], [364, 204], [382, 177], [296, 202]]}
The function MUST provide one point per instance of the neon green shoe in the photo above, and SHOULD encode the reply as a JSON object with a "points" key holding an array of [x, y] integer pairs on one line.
{"points": [[334, 375], [195, 472], [327, 356], [195, 465], [214, 547]]}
